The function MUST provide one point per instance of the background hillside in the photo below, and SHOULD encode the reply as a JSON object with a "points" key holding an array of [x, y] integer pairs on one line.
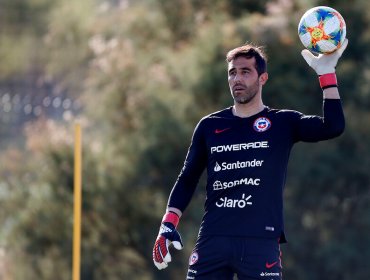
{"points": [[138, 75]]}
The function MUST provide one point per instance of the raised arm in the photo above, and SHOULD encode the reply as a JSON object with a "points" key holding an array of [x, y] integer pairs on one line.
{"points": [[331, 124]]}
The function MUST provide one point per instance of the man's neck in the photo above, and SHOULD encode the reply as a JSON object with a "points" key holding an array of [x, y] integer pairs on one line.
{"points": [[247, 110]]}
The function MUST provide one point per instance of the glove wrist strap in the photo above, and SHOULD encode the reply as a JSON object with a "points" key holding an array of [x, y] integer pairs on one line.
{"points": [[328, 80], [172, 218]]}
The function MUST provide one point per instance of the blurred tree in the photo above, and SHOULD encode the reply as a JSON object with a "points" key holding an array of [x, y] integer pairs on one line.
{"points": [[146, 72]]}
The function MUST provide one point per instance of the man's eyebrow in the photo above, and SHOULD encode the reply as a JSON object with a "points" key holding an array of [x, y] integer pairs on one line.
{"points": [[243, 68], [231, 69]]}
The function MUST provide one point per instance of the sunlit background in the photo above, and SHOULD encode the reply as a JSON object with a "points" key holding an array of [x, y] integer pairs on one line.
{"points": [[138, 75]]}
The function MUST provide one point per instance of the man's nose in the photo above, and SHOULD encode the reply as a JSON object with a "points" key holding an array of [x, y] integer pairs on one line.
{"points": [[237, 78]]}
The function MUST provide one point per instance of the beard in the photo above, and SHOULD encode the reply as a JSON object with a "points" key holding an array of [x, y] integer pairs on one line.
{"points": [[247, 94]]}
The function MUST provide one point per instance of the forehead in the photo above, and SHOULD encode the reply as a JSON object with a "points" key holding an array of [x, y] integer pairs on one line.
{"points": [[242, 62]]}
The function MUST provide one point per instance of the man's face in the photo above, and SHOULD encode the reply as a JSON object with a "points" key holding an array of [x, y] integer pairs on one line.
{"points": [[244, 82]]}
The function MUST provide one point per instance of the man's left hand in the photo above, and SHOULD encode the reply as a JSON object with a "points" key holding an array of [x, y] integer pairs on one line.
{"points": [[324, 63]]}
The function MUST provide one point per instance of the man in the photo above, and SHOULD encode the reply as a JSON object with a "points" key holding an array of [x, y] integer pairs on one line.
{"points": [[245, 149]]}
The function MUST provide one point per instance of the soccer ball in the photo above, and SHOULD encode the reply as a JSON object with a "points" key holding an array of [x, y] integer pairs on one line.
{"points": [[322, 30]]}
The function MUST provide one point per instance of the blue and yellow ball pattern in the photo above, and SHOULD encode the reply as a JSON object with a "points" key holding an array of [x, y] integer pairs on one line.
{"points": [[322, 30]]}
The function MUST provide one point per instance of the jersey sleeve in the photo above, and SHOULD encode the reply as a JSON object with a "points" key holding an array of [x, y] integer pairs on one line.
{"points": [[316, 128], [193, 168]]}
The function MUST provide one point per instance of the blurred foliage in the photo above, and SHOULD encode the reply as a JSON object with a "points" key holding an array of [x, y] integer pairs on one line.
{"points": [[145, 72]]}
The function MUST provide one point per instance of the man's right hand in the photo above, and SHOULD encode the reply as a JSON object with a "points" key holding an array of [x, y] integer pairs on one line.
{"points": [[167, 235]]}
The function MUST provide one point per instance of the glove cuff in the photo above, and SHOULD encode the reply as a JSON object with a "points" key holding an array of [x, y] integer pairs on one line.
{"points": [[172, 218], [328, 80]]}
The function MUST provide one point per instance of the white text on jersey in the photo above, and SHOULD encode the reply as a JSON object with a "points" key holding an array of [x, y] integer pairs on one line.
{"points": [[239, 147]]}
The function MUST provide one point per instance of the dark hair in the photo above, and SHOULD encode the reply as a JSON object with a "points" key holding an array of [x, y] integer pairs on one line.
{"points": [[249, 51]]}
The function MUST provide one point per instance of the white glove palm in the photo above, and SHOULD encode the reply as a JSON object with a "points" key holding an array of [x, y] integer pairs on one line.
{"points": [[324, 63]]}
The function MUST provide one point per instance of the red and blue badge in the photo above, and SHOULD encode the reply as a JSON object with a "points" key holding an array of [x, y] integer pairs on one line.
{"points": [[193, 258], [261, 124]]}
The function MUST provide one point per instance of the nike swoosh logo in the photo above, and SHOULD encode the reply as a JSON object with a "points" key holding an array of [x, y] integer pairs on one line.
{"points": [[270, 265], [217, 131]]}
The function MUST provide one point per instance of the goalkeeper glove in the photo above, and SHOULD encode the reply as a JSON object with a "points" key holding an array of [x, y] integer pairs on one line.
{"points": [[167, 235], [324, 63]]}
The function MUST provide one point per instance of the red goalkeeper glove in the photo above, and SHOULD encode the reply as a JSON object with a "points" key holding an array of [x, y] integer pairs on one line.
{"points": [[167, 235]]}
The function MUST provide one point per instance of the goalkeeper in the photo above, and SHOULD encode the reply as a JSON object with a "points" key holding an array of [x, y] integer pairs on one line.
{"points": [[245, 149]]}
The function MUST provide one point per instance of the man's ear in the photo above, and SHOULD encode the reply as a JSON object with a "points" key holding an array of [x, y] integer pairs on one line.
{"points": [[263, 78]]}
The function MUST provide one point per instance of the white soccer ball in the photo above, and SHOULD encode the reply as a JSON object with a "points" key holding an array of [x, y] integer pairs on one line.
{"points": [[322, 30]]}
